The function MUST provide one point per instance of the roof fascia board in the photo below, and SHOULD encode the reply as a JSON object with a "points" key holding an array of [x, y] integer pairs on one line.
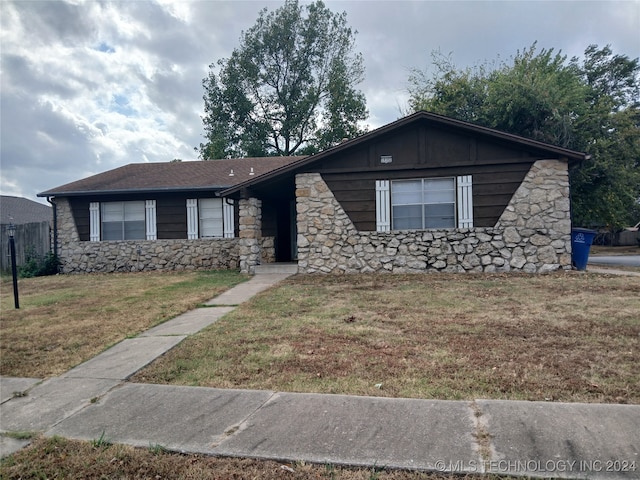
{"points": [[85, 193]]}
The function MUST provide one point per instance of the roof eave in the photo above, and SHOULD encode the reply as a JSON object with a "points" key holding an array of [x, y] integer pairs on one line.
{"points": [[85, 193]]}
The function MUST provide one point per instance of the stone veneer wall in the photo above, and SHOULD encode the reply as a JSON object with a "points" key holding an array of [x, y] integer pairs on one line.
{"points": [[532, 235], [251, 241], [139, 255]]}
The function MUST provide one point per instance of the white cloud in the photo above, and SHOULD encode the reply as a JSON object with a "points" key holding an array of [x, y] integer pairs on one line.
{"points": [[88, 86]]}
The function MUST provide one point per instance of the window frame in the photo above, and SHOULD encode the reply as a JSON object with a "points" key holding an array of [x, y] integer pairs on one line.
{"points": [[423, 203], [194, 218], [141, 224], [218, 209]]}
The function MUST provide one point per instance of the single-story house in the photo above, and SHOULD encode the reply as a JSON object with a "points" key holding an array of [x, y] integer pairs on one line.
{"points": [[424, 193]]}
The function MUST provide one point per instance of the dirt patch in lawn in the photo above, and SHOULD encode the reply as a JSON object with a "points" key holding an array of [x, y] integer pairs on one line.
{"points": [[64, 320], [563, 337]]}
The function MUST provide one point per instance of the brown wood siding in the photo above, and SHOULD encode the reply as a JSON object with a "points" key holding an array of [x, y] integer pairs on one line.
{"points": [[424, 151], [171, 217], [80, 212], [171, 212]]}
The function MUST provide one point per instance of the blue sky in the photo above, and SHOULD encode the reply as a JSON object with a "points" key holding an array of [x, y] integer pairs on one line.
{"points": [[88, 86]]}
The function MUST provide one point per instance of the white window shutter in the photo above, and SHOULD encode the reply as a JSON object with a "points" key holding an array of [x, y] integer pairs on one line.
{"points": [[94, 221], [192, 218], [150, 219], [383, 199], [465, 201], [228, 217]]}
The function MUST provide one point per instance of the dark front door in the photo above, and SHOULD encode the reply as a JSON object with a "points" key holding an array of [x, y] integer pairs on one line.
{"points": [[286, 233]]}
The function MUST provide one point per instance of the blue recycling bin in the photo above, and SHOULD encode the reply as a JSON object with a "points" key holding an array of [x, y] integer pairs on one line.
{"points": [[581, 240]]}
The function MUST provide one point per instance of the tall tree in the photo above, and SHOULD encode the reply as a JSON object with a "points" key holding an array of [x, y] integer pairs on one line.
{"points": [[589, 104], [288, 88], [607, 186]]}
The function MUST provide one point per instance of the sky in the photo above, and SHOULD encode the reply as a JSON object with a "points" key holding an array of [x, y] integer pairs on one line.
{"points": [[88, 86]]}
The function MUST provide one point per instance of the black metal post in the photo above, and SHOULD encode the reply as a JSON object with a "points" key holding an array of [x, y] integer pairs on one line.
{"points": [[14, 270]]}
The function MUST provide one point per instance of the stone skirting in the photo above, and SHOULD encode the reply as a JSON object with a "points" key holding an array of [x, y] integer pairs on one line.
{"points": [[139, 255], [532, 235], [147, 255]]}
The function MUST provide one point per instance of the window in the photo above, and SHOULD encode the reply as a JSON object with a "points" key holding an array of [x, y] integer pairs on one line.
{"points": [[210, 218], [122, 220], [424, 203]]}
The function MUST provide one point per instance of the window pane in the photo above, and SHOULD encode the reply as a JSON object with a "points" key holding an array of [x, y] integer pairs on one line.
{"points": [[407, 185], [112, 212], [407, 217], [111, 230], [210, 228], [133, 211], [439, 190], [406, 192], [210, 217], [439, 216], [134, 230]]}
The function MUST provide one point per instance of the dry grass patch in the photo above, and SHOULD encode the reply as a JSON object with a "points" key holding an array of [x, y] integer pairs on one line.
{"points": [[563, 337], [607, 250], [60, 458], [64, 320]]}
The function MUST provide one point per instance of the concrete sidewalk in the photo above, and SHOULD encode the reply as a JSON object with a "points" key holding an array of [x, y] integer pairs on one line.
{"points": [[537, 439]]}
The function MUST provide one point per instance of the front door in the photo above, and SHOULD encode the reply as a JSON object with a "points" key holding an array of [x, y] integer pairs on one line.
{"points": [[293, 230], [286, 233]]}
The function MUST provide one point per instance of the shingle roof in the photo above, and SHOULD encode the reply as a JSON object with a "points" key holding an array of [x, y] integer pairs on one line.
{"points": [[173, 176], [18, 210]]}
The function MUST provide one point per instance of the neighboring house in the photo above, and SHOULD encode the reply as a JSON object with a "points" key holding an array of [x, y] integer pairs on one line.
{"points": [[33, 224], [424, 193], [18, 210]]}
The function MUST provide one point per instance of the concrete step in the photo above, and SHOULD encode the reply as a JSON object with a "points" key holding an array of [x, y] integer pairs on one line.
{"points": [[269, 268]]}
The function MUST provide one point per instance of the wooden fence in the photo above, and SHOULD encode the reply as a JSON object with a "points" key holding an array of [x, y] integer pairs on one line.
{"points": [[29, 237], [627, 238]]}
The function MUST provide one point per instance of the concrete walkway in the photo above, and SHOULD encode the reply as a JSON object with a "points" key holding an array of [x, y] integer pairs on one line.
{"points": [[565, 440]]}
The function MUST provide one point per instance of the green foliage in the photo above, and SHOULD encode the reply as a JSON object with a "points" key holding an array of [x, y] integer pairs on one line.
{"points": [[590, 105], [102, 442], [157, 449], [37, 266], [288, 88]]}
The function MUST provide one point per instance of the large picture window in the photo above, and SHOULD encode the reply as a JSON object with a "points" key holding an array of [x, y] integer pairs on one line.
{"points": [[423, 203], [123, 220]]}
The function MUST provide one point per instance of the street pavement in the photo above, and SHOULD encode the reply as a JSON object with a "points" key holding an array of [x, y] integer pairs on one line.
{"points": [[536, 439], [617, 260]]}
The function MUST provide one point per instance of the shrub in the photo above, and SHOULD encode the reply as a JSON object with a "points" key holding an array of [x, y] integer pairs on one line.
{"points": [[37, 266]]}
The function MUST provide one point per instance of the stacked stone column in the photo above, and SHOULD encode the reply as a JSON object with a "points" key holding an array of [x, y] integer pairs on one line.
{"points": [[250, 226]]}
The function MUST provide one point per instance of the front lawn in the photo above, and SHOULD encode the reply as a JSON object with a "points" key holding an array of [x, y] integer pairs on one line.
{"points": [[563, 337], [65, 320]]}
